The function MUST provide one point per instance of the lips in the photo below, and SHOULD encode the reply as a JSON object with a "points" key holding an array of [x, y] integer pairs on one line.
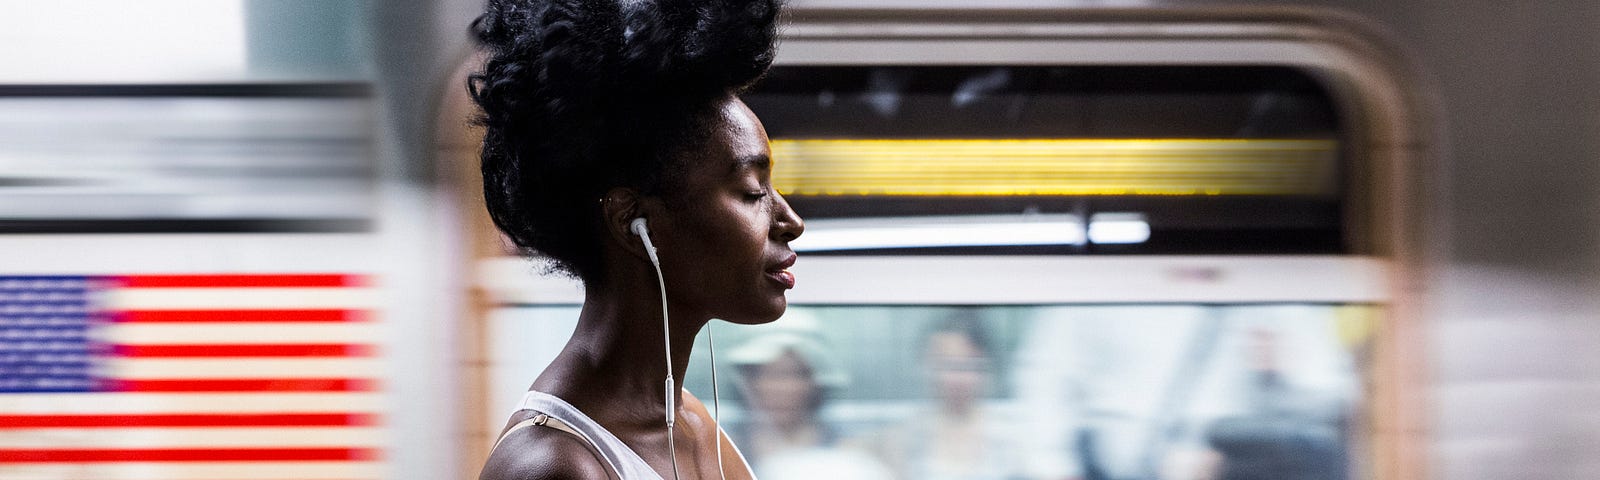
{"points": [[780, 272]]}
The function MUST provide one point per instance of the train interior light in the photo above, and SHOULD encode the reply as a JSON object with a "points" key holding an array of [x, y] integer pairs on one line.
{"points": [[1107, 228], [931, 231], [940, 231]]}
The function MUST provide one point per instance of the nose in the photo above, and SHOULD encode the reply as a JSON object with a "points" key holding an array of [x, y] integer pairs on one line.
{"points": [[786, 225]]}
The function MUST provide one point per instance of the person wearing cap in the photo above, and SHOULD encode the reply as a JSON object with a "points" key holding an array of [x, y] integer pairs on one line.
{"points": [[787, 371]]}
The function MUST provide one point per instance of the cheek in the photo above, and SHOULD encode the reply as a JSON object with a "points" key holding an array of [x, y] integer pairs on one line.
{"points": [[717, 250], [747, 220], [734, 233]]}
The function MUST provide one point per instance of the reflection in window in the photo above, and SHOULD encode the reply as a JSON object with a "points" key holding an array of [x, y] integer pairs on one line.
{"points": [[1235, 392]]}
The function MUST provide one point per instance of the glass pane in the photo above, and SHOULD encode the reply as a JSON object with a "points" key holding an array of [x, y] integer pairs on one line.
{"points": [[116, 41], [1021, 392], [1238, 159], [186, 158], [183, 41]]}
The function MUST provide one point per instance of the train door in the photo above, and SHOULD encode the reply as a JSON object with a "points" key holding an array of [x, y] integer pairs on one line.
{"points": [[1121, 244]]}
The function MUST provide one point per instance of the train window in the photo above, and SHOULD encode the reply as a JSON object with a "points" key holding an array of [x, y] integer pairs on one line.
{"points": [[1056, 159], [185, 158], [155, 40], [183, 41], [1023, 391]]}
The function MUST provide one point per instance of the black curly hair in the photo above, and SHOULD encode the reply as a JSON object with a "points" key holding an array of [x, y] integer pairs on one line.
{"points": [[581, 96]]}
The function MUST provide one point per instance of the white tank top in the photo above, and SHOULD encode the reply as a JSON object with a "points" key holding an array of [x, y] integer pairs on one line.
{"points": [[622, 460]]}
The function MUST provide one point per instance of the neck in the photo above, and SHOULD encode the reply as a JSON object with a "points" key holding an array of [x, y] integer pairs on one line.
{"points": [[616, 363]]}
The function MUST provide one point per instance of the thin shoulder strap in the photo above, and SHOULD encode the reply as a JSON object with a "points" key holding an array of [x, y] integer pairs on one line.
{"points": [[543, 420]]}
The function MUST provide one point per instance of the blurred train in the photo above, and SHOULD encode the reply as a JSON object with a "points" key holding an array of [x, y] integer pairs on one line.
{"points": [[1045, 240]]}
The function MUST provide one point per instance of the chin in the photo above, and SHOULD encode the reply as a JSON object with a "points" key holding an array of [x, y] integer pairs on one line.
{"points": [[766, 313]]}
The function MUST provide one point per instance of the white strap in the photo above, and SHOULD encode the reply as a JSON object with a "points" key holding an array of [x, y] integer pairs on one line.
{"points": [[543, 420]]}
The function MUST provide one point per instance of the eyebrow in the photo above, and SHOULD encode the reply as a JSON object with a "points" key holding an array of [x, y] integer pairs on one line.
{"points": [[757, 161]]}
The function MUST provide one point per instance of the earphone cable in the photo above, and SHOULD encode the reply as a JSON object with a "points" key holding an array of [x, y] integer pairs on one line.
{"points": [[666, 336], [716, 400]]}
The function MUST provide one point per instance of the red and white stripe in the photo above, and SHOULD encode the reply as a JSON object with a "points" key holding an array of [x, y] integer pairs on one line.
{"points": [[247, 377]]}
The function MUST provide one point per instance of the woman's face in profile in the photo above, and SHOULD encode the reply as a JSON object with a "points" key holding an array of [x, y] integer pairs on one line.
{"points": [[724, 244]]}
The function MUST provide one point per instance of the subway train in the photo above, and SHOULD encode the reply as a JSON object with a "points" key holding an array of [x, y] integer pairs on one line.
{"points": [[1090, 240]]}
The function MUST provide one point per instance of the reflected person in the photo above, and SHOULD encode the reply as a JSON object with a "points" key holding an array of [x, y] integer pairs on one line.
{"points": [[787, 372], [956, 438], [1288, 434]]}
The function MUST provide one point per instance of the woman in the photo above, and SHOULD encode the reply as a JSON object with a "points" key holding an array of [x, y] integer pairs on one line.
{"points": [[598, 113]]}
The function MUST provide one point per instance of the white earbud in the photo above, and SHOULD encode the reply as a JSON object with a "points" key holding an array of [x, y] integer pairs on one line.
{"points": [[642, 231], [639, 228]]}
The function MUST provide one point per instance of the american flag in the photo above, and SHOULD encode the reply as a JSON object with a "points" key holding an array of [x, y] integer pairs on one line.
{"points": [[173, 377]]}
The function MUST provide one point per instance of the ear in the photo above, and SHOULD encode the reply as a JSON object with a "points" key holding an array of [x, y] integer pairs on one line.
{"points": [[618, 208]]}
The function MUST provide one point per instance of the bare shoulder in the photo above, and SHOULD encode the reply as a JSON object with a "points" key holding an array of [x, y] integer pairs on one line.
{"points": [[695, 407], [696, 413], [543, 454], [736, 467]]}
